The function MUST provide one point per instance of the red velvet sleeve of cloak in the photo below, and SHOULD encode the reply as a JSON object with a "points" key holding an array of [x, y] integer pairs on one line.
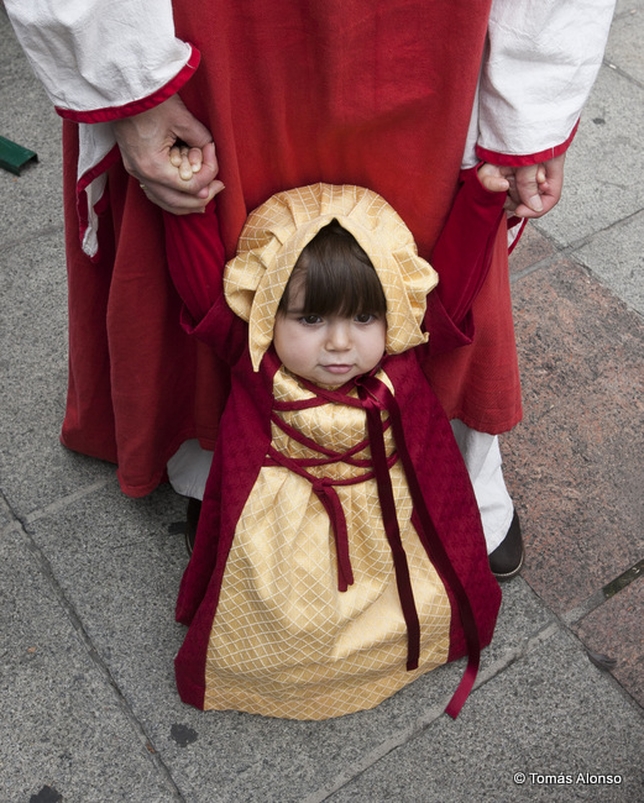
{"points": [[462, 257], [196, 261]]}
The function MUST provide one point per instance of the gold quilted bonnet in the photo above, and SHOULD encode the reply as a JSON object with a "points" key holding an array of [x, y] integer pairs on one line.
{"points": [[277, 231]]}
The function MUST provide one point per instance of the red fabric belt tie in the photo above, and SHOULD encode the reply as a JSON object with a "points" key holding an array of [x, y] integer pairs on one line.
{"points": [[374, 401], [324, 487]]}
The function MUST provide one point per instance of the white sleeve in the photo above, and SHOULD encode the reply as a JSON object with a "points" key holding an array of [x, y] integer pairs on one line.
{"points": [[102, 59], [542, 59]]}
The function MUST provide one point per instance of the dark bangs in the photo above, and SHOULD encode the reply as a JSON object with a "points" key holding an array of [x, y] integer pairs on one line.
{"points": [[339, 278]]}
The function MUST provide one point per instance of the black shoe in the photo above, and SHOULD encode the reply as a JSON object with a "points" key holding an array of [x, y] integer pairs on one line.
{"points": [[194, 509], [507, 559]]}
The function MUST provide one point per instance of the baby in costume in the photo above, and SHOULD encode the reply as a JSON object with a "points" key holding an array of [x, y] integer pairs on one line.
{"points": [[339, 553]]}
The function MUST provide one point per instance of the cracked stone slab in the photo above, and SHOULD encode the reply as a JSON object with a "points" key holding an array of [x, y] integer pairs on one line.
{"points": [[616, 629], [552, 717]]}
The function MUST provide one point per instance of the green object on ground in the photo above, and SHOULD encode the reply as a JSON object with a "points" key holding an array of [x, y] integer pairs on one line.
{"points": [[14, 157]]}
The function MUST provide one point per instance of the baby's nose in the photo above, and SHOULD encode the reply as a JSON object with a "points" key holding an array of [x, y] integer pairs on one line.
{"points": [[339, 334]]}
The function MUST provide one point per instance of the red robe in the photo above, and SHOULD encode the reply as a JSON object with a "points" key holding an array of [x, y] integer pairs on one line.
{"points": [[294, 93]]}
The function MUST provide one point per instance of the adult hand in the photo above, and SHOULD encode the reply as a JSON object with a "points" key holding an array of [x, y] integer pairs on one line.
{"points": [[145, 141], [535, 189]]}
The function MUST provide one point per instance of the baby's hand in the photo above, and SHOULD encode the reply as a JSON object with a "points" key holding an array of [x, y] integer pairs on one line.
{"points": [[495, 178], [513, 180], [187, 160], [532, 190]]}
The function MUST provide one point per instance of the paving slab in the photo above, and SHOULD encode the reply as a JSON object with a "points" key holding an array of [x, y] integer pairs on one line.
{"points": [[533, 248], [64, 725], [553, 717], [624, 49], [601, 185], [615, 630], [574, 466], [33, 200], [118, 562], [616, 257], [35, 468]]}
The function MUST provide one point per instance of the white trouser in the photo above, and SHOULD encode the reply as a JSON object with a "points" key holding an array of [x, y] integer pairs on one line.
{"points": [[483, 460], [188, 471]]}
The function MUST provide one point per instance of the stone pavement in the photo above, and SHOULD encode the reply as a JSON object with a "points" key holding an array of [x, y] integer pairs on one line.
{"points": [[89, 711]]}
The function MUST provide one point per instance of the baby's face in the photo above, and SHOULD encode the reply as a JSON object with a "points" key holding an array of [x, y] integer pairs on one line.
{"points": [[328, 350]]}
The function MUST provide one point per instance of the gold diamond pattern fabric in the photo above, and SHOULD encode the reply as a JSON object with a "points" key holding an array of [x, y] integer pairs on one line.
{"points": [[285, 641]]}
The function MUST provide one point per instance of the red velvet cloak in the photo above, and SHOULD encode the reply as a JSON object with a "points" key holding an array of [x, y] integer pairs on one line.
{"points": [[446, 519]]}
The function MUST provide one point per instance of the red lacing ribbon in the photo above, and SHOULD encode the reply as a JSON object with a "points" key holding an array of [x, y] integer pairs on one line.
{"points": [[375, 397], [324, 488]]}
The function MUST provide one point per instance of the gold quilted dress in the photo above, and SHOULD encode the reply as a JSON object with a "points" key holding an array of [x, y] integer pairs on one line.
{"points": [[286, 641]]}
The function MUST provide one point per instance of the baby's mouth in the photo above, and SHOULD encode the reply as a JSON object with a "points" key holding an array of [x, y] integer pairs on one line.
{"points": [[337, 368]]}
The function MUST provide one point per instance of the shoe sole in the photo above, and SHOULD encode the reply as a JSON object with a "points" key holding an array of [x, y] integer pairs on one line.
{"points": [[509, 575]]}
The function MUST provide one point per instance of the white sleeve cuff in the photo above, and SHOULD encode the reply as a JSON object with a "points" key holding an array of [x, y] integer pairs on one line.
{"points": [[542, 60], [96, 58]]}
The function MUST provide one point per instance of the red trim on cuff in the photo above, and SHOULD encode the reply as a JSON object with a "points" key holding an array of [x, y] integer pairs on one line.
{"points": [[519, 160], [513, 222], [100, 167], [81, 196], [110, 113]]}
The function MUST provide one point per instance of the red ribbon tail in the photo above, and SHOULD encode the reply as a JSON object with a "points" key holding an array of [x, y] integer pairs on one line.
{"points": [[331, 503], [438, 553]]}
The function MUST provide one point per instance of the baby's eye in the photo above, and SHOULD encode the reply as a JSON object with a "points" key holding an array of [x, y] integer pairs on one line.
{"points": [[365, 317], [311, 319]]}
